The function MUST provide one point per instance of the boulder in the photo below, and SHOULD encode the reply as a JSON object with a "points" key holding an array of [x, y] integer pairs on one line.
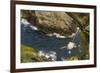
{"points": [[52, 22]]}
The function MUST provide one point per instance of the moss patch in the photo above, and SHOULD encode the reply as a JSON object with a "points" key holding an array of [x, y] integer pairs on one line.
{"points": [[29, 54]]}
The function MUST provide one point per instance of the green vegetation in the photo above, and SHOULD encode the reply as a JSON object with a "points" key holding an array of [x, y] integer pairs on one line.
{"points": [[71, 58], [29, 54], [83, 23], [81, 20], [84, 45]]}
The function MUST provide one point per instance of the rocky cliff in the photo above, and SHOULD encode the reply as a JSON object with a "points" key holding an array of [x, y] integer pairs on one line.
{"points": [[51, 22]]}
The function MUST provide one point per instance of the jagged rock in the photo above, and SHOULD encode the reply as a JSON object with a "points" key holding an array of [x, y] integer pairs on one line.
{"points": [[82, 19], [51, 22]]}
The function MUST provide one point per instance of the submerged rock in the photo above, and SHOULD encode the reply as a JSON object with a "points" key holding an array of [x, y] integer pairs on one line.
{"points": [[51, 22]]}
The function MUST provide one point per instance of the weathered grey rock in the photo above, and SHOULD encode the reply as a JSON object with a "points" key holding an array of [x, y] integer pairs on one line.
{"points": [[52, 22]]}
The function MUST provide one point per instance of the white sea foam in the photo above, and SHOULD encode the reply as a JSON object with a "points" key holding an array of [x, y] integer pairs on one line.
{"points": [[47, 56], [72, 35], [71, 45], [41, 53], [33, 27], [56, 35], [25, 22]]}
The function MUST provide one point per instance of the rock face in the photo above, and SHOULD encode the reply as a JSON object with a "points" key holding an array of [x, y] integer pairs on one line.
{"points": [[51, 22]]}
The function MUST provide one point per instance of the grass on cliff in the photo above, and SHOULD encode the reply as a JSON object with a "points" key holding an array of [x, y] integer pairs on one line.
{"points": [[29, 54]]}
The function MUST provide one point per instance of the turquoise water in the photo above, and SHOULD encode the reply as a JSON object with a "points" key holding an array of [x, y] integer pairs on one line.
{"points": [[39, 40]]}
